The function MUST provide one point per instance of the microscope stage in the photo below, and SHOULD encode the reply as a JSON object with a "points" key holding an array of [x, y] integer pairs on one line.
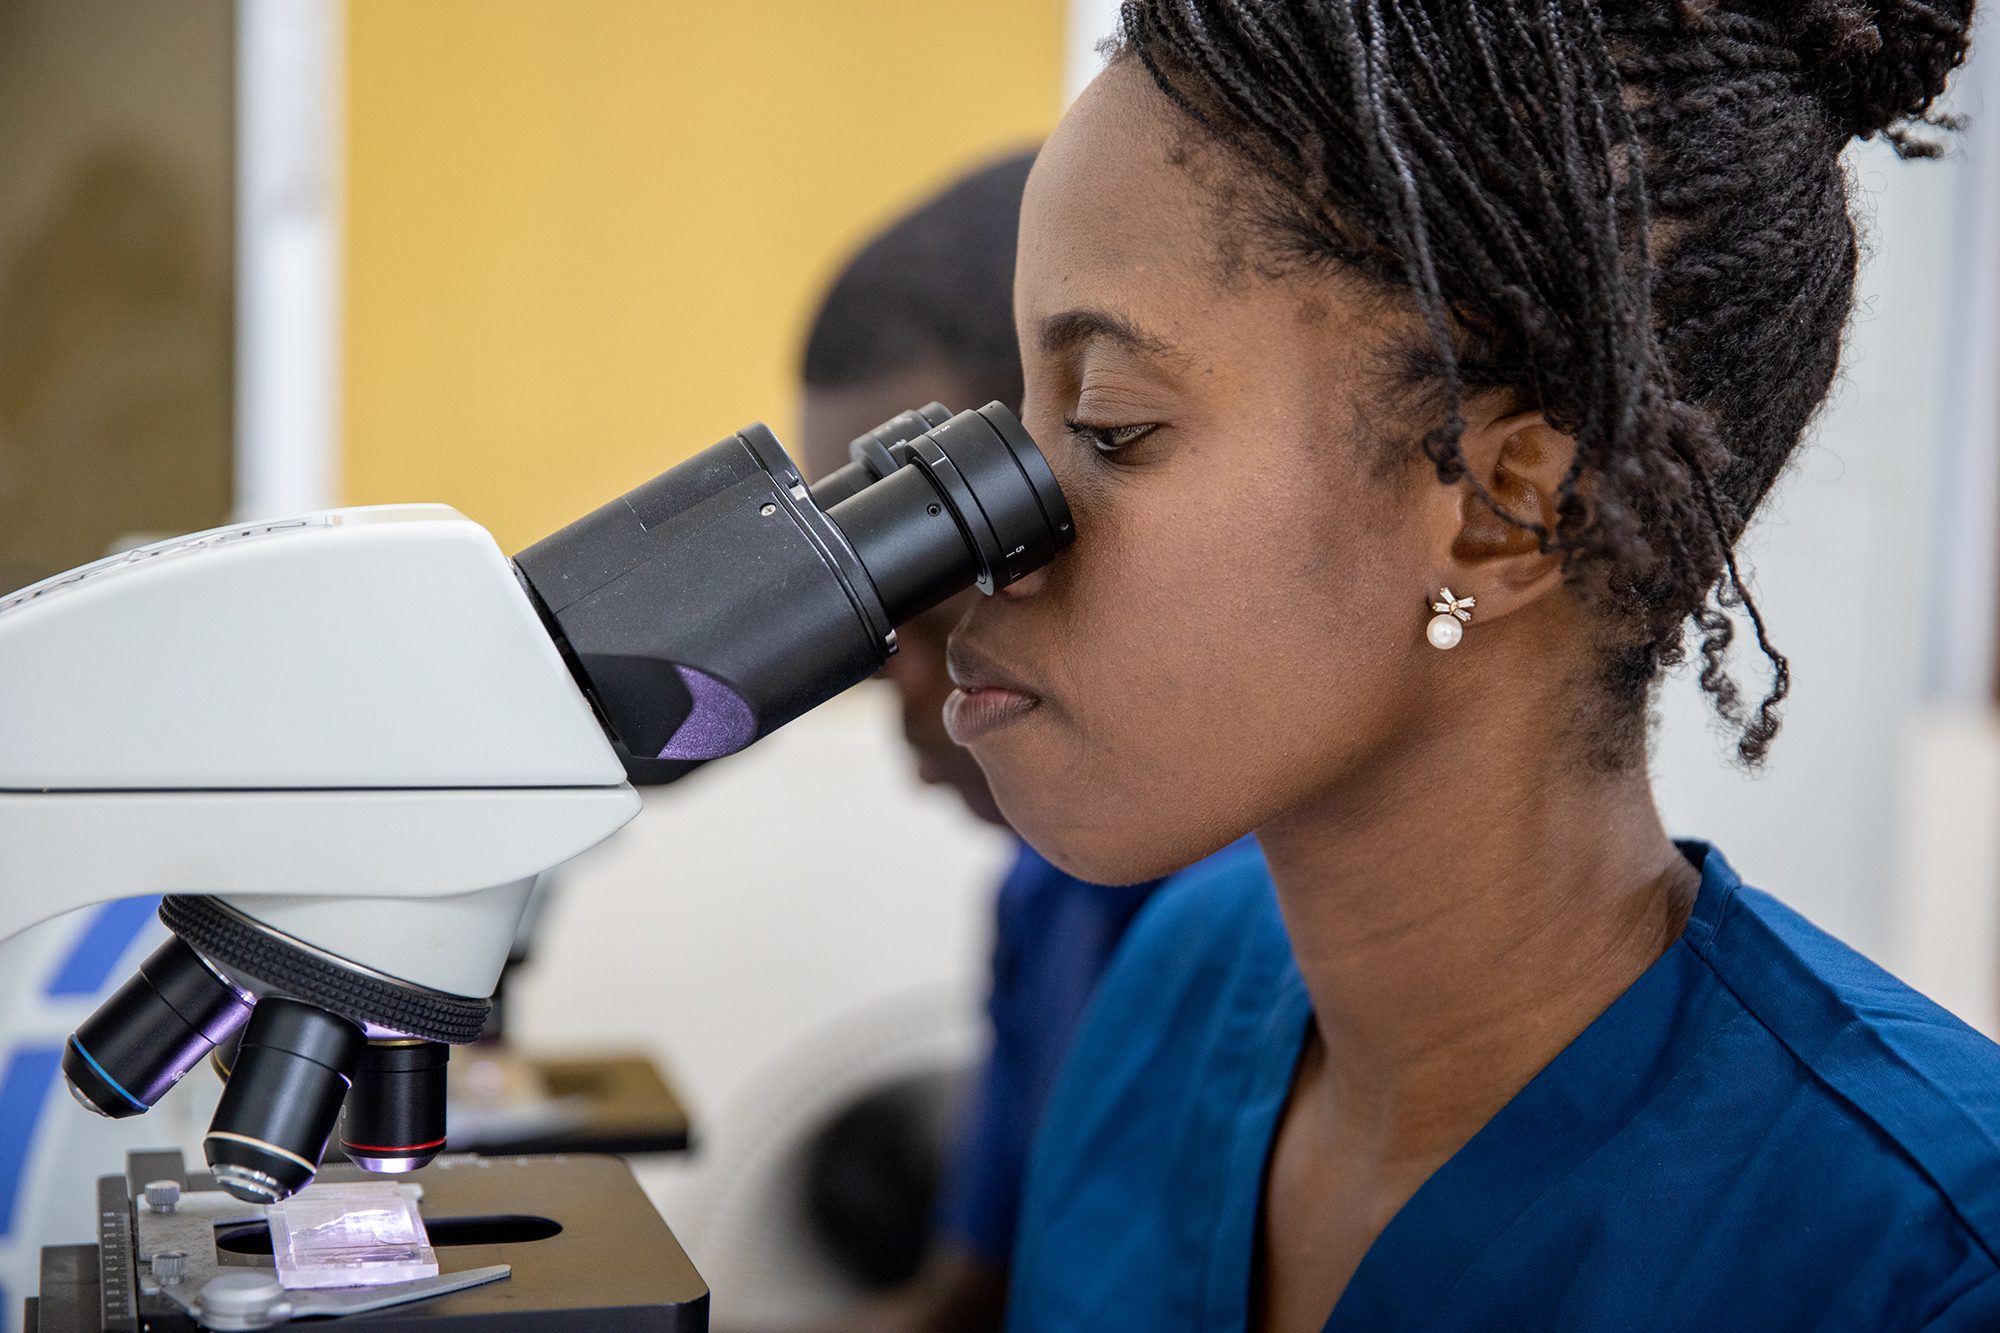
{"points": [[587, 1251]]}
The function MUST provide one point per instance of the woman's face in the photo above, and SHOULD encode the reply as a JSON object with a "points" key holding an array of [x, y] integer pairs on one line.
{"points": [[1239, 628]]}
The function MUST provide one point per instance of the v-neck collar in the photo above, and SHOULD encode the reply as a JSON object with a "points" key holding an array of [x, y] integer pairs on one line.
{"points": [[1571, 1108]]}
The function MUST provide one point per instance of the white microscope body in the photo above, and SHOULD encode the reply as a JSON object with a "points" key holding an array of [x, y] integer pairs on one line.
{"points": [[351, 726]]}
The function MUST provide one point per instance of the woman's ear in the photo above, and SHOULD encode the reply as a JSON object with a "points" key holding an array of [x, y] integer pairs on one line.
{"points": [[1521, 460]]}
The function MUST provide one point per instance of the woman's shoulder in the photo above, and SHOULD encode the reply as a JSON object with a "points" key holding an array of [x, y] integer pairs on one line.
{"points": [[1925, 1084]]}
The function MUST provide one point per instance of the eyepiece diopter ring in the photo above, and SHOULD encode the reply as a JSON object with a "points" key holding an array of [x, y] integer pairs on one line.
{"points": [[1000, 488], [965, 507]]}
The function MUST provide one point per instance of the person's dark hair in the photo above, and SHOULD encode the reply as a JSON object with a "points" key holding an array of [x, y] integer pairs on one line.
{"points": [[1630, 214], [936, 288]]}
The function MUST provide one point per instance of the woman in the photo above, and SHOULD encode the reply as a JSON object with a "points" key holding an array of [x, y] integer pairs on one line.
{"points": [[1412, 369]]}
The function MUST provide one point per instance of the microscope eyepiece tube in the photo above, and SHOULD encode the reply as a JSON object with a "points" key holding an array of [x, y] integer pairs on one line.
{"points": [[911, 544], [393, 1119], [152, 1030], [723, 598], [292, 1071], [871, 455], [999, 492]]}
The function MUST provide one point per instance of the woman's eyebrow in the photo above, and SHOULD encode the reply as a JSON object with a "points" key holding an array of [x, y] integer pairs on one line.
{"points": [[1069, 330]]}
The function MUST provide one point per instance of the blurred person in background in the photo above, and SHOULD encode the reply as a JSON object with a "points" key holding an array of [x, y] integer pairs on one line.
{"points": [[924, 312]]}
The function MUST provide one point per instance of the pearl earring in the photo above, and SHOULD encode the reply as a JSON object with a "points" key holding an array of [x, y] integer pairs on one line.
{"points": [[1447, 627]]}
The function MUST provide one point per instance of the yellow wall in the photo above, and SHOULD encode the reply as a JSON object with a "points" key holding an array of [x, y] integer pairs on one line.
{"points": [[584, 235]]}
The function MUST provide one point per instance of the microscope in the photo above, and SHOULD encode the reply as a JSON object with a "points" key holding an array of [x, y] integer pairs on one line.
{"points": [[344, 744]]}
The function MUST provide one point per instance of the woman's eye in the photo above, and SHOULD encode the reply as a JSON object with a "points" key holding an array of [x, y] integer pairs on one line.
{"points": [[1110, 439]]}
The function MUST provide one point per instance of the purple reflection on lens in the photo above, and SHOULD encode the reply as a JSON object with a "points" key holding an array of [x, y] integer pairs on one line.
{"points": [[391, 1166], [720, 722]]}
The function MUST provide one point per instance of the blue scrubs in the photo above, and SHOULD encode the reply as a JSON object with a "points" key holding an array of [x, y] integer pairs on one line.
{"points": [[1053, 936], [1764, 1132]]}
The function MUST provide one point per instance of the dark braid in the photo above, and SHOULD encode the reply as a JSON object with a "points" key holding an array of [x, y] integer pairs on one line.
{"points": [[1630, 214]]}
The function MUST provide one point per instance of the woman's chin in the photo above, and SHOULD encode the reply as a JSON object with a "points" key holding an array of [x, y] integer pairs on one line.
{"points": [[1096, 847], [1071, 809]]}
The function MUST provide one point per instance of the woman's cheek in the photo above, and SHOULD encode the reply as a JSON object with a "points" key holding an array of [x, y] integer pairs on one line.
{"points": [[1164, 643]]}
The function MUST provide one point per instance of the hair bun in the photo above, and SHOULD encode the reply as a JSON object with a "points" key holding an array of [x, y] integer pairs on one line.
{"points": [[1878, 63]]}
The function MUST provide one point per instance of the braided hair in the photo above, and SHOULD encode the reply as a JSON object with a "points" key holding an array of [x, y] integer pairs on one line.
{"points": [[1630, 214]]}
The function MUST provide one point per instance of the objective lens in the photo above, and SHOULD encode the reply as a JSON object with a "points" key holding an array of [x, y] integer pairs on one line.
{"points": [[291, 1072], [152, 1030], [394, 1117]]}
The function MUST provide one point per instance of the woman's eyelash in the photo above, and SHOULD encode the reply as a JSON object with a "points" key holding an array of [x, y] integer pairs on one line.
{"points": [[1109, 439]]}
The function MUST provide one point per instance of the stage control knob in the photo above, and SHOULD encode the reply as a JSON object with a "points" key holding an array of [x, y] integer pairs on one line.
{"points": [[242, 1299], [162, 1195]]}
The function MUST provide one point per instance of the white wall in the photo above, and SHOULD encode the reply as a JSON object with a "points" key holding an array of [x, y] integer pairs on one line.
{"points": [[1090, 23], [290, 126]]}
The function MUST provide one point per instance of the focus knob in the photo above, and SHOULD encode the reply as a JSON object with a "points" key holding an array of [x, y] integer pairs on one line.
{"points": [[169, 1267]]}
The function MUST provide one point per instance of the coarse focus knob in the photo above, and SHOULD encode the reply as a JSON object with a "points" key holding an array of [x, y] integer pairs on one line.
{"points": [[170, 1266], [162, 1195]]}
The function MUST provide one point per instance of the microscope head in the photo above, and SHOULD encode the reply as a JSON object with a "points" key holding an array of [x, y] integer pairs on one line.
{"points": [[723, 599], [346, 744]]}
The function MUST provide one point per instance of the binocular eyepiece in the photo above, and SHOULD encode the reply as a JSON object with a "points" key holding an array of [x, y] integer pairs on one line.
{"points": [[724, 598], [697, 613]]}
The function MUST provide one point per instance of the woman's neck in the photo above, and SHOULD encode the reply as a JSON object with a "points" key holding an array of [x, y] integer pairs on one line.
{"points": [[1463, 921]]}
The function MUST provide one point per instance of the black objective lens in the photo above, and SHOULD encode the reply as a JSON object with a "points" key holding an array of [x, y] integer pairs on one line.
{"points": [[394, 1117], [292, 1070], [153, 1029]]}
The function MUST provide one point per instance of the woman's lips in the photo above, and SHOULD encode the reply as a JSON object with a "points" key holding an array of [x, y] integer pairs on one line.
{"points": [[988, 696], [973, 714]]}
